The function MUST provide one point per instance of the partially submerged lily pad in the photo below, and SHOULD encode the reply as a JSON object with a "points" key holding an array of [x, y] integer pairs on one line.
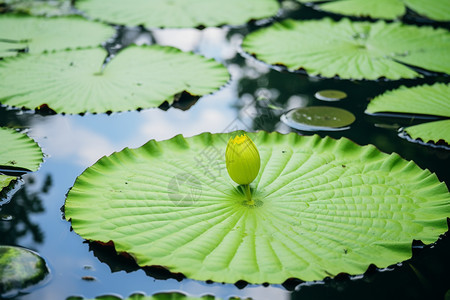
{"points": [[386, 9], [351, 50], [38, 34], [422, 100], [178, 13], [330, 95], [315, 118], [323, 207], [19, 269], [137, 77], [18, 154]]}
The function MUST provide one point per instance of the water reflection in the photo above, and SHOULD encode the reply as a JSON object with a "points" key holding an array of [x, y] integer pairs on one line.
{"points": [[24, 203]]}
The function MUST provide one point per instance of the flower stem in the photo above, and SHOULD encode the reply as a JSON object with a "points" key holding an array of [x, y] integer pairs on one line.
{"points": [[248, 193]]}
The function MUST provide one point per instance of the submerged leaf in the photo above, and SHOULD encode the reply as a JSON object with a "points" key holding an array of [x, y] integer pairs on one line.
{"points": [[137, 77], [315, 118], [386, 9], [17, 151], [37, 34], [351, 50], [178, 13], [19, 268], [323, 207], [424, 100]]}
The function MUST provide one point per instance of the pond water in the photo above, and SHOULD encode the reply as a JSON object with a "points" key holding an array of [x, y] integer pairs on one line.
{"points": [[254, 99]]}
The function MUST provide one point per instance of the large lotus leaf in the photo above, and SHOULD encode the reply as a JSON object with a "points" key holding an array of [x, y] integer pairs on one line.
{"points": [[352, 50], [323, 206], [424, 99], [20, 268], [387, 9], [17, 151], [178, 13], [137, 77], [37, 34]]}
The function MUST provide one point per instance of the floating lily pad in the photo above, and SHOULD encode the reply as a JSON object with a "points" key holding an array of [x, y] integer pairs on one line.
{"points": [[323, 206], [19, 269], [436, 132], [386, 9], [423, 100], [330, 95], [352, 50], [40, 8], [158, 296], [38, 34], [18, 153], [137, 77], [178, 13], [314, 118]]}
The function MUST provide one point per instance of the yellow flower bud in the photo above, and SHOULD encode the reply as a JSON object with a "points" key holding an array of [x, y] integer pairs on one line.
{"points": [[242, 159]]}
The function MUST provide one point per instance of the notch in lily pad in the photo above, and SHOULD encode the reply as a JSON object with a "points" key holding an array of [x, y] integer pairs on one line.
{"points": [[318, 118]]}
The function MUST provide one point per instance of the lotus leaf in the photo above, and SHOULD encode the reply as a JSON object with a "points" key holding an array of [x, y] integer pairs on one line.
{"points": [[17, 150], [38, 34], [322, 206], [137, 77], [386, 9], [40, 8], [352, 50], [425, 99], [178, 13]]}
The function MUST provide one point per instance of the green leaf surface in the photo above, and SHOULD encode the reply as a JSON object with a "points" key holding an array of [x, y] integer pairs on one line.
{"points": [[17, 150], [424, 100], [323, 206], [351, 50], [137, 77], [178, 13], [40, 8], [387, 9], [19, 269], [432, 131], [37, 34]]}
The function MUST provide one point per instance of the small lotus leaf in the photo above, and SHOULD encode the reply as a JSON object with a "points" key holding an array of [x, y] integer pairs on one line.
{"points": [[137, 77], [351, 50], [314, 118], [323, 206], [178, 13]]}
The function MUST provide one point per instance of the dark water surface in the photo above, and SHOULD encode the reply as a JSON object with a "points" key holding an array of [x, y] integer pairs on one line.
{"points": [[254, 99]]}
